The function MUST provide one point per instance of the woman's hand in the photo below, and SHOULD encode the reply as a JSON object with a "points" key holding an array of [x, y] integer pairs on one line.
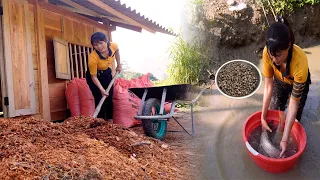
{"points": [[266, 102], [104, 93], [283, 146], [119, 68], [265, 124]]}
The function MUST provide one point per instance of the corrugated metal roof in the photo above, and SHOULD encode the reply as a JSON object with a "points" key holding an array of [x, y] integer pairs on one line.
{"points": [[136, 16], [123, 9]]}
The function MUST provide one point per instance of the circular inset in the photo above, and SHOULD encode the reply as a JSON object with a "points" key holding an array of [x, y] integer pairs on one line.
{"points": [[238, 79]]}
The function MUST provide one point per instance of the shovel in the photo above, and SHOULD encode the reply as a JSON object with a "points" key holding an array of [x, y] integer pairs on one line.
{"points": [[96, 112]]}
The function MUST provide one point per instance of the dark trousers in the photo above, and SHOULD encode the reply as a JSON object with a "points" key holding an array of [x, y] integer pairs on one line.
{"points": [[105, 78], [280, 94]]}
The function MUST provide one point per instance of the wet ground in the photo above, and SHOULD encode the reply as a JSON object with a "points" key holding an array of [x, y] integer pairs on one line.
{"points": [[217, 151]]}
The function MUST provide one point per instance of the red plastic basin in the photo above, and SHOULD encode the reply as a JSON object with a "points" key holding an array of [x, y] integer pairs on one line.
{"points": [[271, 164]]}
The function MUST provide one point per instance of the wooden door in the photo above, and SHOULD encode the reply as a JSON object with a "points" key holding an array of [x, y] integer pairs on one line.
{"points": [[17, 58]]}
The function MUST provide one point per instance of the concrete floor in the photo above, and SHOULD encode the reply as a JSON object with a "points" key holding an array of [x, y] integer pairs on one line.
{"points": [[217, 149]]}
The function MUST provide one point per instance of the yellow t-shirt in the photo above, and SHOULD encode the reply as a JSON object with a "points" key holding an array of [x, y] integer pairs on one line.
{"points": [[96, 62], [296, 72]]}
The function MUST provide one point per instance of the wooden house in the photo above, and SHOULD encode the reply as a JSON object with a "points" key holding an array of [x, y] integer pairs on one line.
{"points": [[45, 43]]}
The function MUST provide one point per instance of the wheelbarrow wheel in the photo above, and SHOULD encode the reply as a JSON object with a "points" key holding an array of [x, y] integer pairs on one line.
{"points": [[155, 128]]}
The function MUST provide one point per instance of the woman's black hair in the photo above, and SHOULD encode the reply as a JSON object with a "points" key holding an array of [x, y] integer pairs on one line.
{"points": [[278, 38], [100, 36], [283, 20]]}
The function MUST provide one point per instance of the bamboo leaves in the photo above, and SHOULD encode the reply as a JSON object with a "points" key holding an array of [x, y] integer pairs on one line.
{"points": [[282, 6], [187, 62]]}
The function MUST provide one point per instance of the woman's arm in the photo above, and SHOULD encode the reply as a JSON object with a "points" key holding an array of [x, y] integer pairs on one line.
{"points": [[266, 101], [119, 67], [296, 94], [98, 84], [291, 116]]}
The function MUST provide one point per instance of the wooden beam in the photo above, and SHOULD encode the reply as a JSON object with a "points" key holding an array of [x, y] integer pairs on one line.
{"points": [[42, 64], [43, 1], [127, 26], [33, 2], [111, 28], [79, 18], [104, 17], [88, 13], [106, 22], [109, 9], [82, 8]]}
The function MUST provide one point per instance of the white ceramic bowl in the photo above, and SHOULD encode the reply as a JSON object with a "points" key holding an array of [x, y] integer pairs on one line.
{"points": [[239, 60]]}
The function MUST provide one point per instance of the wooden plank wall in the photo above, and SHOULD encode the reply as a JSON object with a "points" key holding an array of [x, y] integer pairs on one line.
{"points": [[34, 54], [58, 103], [74, 31]]}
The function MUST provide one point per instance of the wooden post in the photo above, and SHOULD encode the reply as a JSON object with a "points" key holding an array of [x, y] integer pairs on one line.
{"points": [[85, 59], [76, 60], [107, 24], [88, 53], [29, 60], [80, 59], [71, 61], [42, 64]]}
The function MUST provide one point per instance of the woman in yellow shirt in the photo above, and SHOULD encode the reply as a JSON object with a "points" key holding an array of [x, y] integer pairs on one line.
{"points": [[99, 74], [287, 75]]}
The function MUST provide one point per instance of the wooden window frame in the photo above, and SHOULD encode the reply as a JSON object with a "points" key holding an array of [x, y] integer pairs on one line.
{"points": [[58, 41], [79, 56]]}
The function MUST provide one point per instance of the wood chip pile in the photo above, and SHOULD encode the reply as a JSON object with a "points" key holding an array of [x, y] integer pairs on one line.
{"points": [[82, 148]]}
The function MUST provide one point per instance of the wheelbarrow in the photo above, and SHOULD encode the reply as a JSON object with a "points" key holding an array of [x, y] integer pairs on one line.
{"points": [[151, 111]]}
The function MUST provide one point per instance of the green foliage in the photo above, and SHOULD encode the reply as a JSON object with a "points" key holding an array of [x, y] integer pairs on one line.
{"points": [[281, 6], [129, 75], [160, 83], [197, 2], [153, 78], [187, 62]]}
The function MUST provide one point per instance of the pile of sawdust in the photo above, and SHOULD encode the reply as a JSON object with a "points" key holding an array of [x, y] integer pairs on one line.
{"points": [[82, 148]]}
